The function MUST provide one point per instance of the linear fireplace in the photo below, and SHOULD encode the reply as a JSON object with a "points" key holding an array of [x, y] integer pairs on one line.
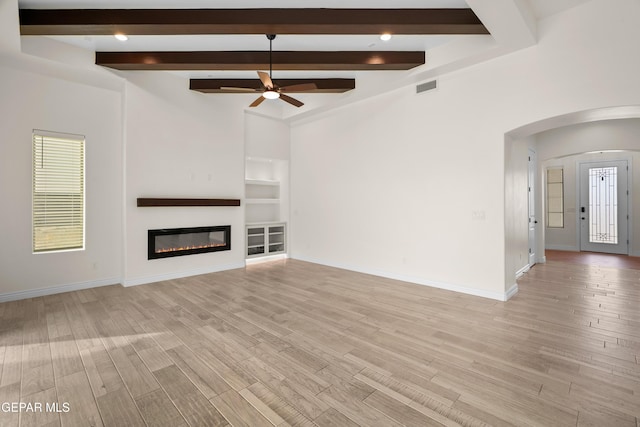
{"points": [[188, 241]]}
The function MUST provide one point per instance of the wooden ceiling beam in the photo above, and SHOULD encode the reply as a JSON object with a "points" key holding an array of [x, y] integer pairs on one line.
{"points": [[259, 60], [323, 85], [248, 21]]}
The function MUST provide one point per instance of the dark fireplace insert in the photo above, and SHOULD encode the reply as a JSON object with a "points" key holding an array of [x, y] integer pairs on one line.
{"points": [[169, 242]]}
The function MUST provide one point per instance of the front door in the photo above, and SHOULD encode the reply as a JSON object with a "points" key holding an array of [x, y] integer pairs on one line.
{"points": [[603, 212]]}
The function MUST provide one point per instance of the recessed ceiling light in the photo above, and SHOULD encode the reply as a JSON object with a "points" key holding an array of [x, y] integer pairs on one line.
{"points": [[385, 37], [121, 37]]}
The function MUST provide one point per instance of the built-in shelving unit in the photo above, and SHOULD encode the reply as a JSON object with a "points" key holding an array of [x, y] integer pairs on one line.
{"points": [[266, 206], [262, 191]]}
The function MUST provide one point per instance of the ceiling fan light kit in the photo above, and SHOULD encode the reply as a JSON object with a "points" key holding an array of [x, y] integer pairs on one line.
{"points": [[271, 94]]}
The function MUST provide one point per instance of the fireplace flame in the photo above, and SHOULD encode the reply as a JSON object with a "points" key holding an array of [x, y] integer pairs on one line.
{"points": [[186, 248]]}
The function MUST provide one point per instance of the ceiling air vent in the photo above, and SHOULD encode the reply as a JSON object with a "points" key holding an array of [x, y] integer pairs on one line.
{"points": [[426, 86]]}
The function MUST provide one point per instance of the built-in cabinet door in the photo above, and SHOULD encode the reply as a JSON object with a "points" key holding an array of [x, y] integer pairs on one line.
{"points": [[256, 241], [265, 240], [276, 239]]}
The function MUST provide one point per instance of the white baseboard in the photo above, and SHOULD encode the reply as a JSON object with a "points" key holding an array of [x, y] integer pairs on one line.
{"points": [[562, 248], [262, 259], [522, 271], [180, 274], [511, 292], [542, 260], [33, 293], [500, 296]]}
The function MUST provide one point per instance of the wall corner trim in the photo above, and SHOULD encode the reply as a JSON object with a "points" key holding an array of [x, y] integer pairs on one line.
{"points": [[499, 296], [511, 292], [180, 274], [522, 271], [52, 290]]}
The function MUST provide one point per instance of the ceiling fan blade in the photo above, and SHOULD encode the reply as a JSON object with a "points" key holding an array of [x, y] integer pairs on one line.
{"points": [[302, 87], [238, 89], [291, 100], [257, 101], [265, 79]]}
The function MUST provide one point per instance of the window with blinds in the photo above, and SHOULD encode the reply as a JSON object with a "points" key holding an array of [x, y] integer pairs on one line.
{"points": [[58, 192], [555, 198]]}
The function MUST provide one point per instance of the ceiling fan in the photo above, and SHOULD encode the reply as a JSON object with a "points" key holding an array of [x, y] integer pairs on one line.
{"points": [[271, 90]]}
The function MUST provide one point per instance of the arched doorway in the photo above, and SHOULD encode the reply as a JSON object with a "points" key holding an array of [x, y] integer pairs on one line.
{"points": [[519, 141]]}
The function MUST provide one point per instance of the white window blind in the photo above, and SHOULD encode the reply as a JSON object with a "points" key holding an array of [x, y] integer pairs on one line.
{"points": [[58, 192], [555, 198]]}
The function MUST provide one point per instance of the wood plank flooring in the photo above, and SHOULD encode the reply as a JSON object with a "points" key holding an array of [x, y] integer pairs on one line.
{"points": [[294, 343], [595, 258]]}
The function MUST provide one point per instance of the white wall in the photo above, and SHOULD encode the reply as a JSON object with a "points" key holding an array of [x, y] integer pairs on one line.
{"points": [[621, 134], [180, 143], [147, 135], [267, 146], [9, 26], [413, 186], [31, 99], [433, 166], [558, 147], [517, 221], [266, 137]]}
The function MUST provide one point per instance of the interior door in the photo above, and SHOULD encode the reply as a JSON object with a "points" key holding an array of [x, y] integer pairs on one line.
{"points": [[604, 201], [532, 207]]}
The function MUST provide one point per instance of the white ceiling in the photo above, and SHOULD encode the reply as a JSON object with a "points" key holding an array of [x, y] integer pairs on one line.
{"points": [[249, 42], [540, 8], [255, 42], [545, 8]]}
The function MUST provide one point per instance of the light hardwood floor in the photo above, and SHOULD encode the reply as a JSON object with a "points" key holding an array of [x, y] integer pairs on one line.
{"points": [[293, 343]]}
